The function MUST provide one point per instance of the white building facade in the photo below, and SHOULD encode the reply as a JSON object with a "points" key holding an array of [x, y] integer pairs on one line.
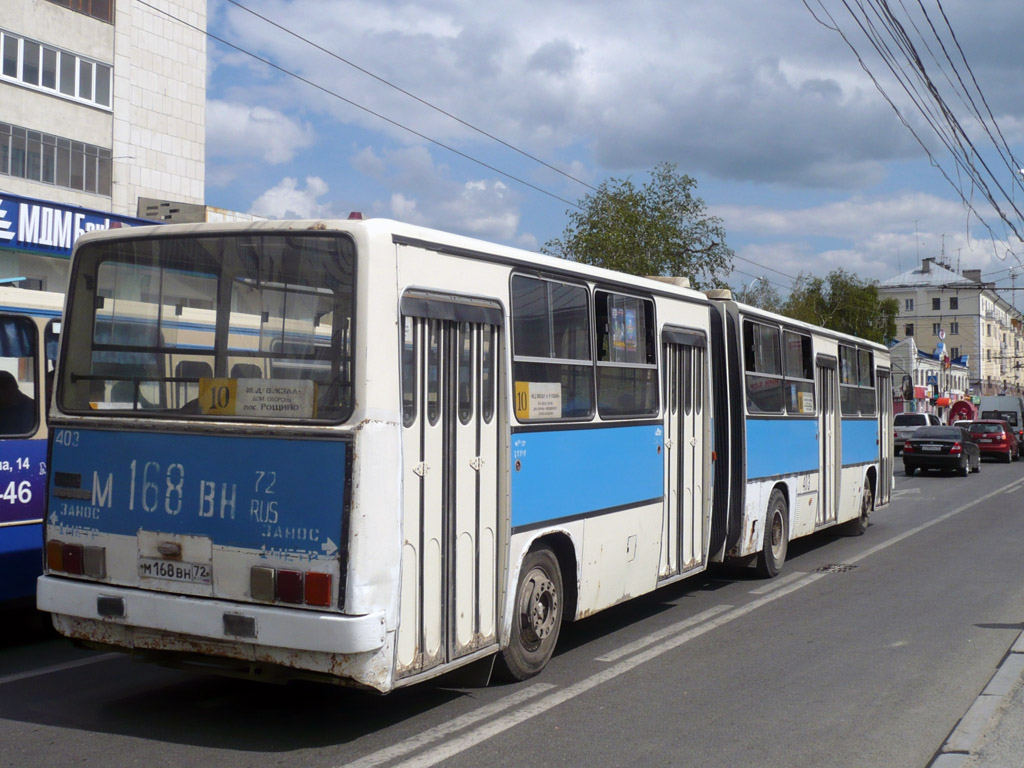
{"points": [[102, 102], [954, 315]]}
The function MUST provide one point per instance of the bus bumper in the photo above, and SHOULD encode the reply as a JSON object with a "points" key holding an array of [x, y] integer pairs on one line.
{"points": [[215, 620]]}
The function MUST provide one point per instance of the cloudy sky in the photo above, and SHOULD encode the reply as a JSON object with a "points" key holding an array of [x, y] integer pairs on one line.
{"points": [[790, 142]]}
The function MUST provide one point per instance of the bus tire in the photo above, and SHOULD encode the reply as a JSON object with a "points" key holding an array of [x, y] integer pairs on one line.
{"points": [[536, 618], [776, 536], [859, 524]]}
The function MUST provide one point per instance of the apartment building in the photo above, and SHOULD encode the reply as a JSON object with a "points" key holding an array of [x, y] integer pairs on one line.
{"points": [[102, 102], [962, 320]]}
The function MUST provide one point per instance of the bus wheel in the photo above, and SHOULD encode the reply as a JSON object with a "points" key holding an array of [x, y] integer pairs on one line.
{"points": [[537, 617], [859, 524], [776, 536]]}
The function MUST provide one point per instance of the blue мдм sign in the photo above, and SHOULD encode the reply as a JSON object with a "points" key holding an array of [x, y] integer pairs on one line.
{"points": [[51, 229]]}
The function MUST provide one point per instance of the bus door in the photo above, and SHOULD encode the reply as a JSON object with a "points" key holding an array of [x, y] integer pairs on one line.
{"points": [[883, 487], [683, 526], [829, 435], [450, 549]]}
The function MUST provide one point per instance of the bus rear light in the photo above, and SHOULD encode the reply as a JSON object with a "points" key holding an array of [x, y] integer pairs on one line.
{"points": [[263, 584], [54, 555], [289, 586], [270, 585], [72, 559], [318, 589], [94, 562], [76, 559]]}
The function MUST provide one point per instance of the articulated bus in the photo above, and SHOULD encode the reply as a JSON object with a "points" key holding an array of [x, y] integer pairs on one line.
{"points": [[369, 452], [29, 327]]}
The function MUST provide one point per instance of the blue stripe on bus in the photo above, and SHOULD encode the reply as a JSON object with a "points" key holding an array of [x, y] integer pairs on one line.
{"points": [[781, 447], [255, 493], [21, 560], [860, 441], [571, 472]]}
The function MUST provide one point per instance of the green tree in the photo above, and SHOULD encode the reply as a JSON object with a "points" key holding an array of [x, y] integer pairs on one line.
{"points": [[760, 293], [843, 302], [661, 228]]}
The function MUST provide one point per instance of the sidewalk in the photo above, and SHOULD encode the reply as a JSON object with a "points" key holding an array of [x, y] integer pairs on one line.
{"points": [[991, 733]]}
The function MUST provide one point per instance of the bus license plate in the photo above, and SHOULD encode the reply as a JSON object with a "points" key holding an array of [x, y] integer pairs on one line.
{"points": [[192, 573]]}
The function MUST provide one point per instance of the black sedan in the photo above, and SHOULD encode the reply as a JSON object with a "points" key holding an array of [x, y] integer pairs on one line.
{"points": [[941, 448]]}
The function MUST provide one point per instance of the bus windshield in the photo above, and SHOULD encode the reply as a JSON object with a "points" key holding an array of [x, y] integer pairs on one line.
{"points": [[247, 326]]}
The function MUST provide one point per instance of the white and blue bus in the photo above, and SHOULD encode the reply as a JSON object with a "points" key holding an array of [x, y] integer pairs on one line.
{"points": [[29, 327], [370, 452]]}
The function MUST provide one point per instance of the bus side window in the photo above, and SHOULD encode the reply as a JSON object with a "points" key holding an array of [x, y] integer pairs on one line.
{"points": [[19, 413]]}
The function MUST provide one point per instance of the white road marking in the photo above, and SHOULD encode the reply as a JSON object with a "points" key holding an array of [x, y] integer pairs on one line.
{"points": [[493, 728], [423, 739], [774, 584], [59, 667], [661, 634]]}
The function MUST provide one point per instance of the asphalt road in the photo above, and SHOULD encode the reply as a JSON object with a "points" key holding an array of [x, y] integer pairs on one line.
{"points": [[865, 651]]}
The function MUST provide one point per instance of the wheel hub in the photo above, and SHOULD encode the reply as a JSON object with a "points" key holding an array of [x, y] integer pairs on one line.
{"points": [[539, 611]]}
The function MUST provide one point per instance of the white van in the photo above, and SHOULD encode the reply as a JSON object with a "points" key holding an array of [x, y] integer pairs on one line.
{"points": [[1009, 408]]}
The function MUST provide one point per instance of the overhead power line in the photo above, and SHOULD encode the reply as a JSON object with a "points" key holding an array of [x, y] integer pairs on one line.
{"points": [[411, 95], [442, 145], [904, 45], [359, 106]]}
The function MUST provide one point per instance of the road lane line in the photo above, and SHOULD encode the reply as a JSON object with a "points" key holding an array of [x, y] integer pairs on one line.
{"points": [[403, 748], [774, 584], [661, 634], [933, 521], [59, 667], [488, 730]]}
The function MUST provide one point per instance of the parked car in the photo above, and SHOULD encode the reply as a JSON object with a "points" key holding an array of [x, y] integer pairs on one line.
{"points": [[904, 425], [941, 448], [995, 438]]}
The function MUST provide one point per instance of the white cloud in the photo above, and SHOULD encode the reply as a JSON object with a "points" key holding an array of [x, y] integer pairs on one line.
{"points": [[426, 194], [287, 201], [238, 131]]}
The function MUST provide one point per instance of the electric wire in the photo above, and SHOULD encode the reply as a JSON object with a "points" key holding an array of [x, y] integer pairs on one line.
{"points": [[399, 125], [879, 24], [411, 95], [359, 106]]}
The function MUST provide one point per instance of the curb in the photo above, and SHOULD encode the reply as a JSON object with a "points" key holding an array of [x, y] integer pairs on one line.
{"points": [[975, 724]]}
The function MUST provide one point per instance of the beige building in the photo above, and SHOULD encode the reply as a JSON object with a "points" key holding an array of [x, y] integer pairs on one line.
{"points": [[101, 102], [974, 325]]}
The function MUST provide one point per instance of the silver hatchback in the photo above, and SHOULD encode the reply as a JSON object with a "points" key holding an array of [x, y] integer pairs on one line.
{"points": [[904, 425]]}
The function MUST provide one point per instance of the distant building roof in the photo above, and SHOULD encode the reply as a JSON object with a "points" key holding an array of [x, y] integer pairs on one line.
{"points": [[932, 273]]}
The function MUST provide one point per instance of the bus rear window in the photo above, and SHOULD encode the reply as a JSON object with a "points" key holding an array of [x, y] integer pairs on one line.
{"points": [[248, 326]]}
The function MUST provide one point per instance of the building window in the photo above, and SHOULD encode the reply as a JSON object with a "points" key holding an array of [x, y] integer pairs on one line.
{"points": [[954, 328], [936, 304], [32, 64], [54, 160], [954, 302], [936, 327], [988, 329], [98, 9], [988, 355], [954, 353], [908, 305], [909, 330]]}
